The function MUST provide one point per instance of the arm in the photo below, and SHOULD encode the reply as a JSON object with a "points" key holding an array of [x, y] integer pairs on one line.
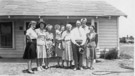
{"points": [[28, 36]]}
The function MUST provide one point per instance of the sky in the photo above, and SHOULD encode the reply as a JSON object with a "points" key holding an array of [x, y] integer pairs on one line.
{"points": [[126, 25]]}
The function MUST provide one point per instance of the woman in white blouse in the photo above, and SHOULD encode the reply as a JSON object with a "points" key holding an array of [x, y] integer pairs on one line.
{"points": [[30, 50], [41, 41]]}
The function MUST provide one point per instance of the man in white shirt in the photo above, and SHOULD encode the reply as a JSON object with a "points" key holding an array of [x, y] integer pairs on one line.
{"points": [[84, 26], [78, 38]]}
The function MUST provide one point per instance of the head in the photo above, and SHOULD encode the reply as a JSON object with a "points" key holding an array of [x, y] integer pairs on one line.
{"points": [[49, 27], [83, 21], [42, 25], [32, 24], [62, 28], [57, 27], [78, 23], [91, 29], [68, 27]]}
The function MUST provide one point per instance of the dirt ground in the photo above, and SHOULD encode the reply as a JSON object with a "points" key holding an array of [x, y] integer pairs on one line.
{"points": [[117, 67]]}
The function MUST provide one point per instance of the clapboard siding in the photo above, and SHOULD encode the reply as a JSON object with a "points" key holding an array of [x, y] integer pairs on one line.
{"points": [[108, 33], [18, 40]]}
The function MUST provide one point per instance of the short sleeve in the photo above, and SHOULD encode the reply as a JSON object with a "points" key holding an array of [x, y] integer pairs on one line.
{"points": [[28, 32], [63, 34]]}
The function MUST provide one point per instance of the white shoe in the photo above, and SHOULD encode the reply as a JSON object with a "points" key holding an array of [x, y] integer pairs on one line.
{"points": [[94, 61], [75, 69], [81, 68], [39, 69]]}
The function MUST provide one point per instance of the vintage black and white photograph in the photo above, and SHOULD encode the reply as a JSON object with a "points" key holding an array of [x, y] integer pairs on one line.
{"points": [[67, 37]]}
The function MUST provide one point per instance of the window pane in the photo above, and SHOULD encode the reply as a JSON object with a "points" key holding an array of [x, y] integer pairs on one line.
{"points": [[6, 35]]}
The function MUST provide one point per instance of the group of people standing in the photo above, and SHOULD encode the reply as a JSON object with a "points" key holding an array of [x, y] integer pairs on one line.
{"points": [[66, 43]]}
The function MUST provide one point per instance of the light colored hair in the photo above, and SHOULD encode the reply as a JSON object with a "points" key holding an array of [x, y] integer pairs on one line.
{"points": [[31, 22], [68, 26], [57, 26], [78, 21], [48, 26], [84, 19]]}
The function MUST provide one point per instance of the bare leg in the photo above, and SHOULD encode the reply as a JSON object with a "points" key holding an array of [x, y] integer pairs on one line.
{"points": [[70, 63], [92, 58], [46, 63], [38, 62], [29, 65], [62, 63], [87, 63], [58, 61]]}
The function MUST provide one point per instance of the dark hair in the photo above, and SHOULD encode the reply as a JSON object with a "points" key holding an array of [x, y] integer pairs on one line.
{"points": [[38, 25]]}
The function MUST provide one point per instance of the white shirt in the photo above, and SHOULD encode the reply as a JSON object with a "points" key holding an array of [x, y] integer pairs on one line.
{"points": [[31, 33], [78, 34], [86, 29], [66, 35]]}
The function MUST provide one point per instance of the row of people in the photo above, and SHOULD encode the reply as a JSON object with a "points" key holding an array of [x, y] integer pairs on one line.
{"points": [[66, 43]]}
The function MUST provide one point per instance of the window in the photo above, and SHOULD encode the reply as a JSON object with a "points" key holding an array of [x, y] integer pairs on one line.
{"points": [[6, 35]]}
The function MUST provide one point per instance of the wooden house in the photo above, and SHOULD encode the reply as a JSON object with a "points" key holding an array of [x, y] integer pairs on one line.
{"points": [[16, 14]]}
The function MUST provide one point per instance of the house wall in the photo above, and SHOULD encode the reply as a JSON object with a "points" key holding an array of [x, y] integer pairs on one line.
{"points": [[108, 32]]}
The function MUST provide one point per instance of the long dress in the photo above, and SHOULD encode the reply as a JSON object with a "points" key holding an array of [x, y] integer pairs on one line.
{"points": [[58, 43], [30, 49], [91, 45], [49, 44], [67, 53], [41, 50]]}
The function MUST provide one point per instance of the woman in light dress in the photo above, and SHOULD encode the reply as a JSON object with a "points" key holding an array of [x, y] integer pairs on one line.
{"points": [[49, 43], [91, 45], [41, 49], [67, 53]]}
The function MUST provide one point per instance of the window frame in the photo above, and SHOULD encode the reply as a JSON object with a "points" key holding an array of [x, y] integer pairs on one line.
{"points": [[13, 35]]}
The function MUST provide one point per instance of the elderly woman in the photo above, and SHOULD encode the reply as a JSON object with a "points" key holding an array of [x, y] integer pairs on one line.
{"points": [[30, 50], [49, 42], [91, 45], [67, 53], [41, 50], [58, 42]]}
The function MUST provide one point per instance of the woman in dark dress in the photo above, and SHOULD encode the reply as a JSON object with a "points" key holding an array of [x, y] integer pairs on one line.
{"points": [[30, 50], [90, 49]]}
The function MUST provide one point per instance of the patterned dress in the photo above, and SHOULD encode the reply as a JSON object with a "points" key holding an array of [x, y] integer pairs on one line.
{"points": [[49, 44], [67, 53], [91, 45]]}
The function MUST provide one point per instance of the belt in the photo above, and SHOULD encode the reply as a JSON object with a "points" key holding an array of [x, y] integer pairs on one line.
{"points": [[67, 40], [49, 39]]}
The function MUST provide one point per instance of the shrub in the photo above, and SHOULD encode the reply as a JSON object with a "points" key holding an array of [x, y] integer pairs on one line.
{"points": [[111, 54]]}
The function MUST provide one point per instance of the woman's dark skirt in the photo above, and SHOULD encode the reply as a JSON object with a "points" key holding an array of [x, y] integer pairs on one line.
{"points": [[30, 50]]}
